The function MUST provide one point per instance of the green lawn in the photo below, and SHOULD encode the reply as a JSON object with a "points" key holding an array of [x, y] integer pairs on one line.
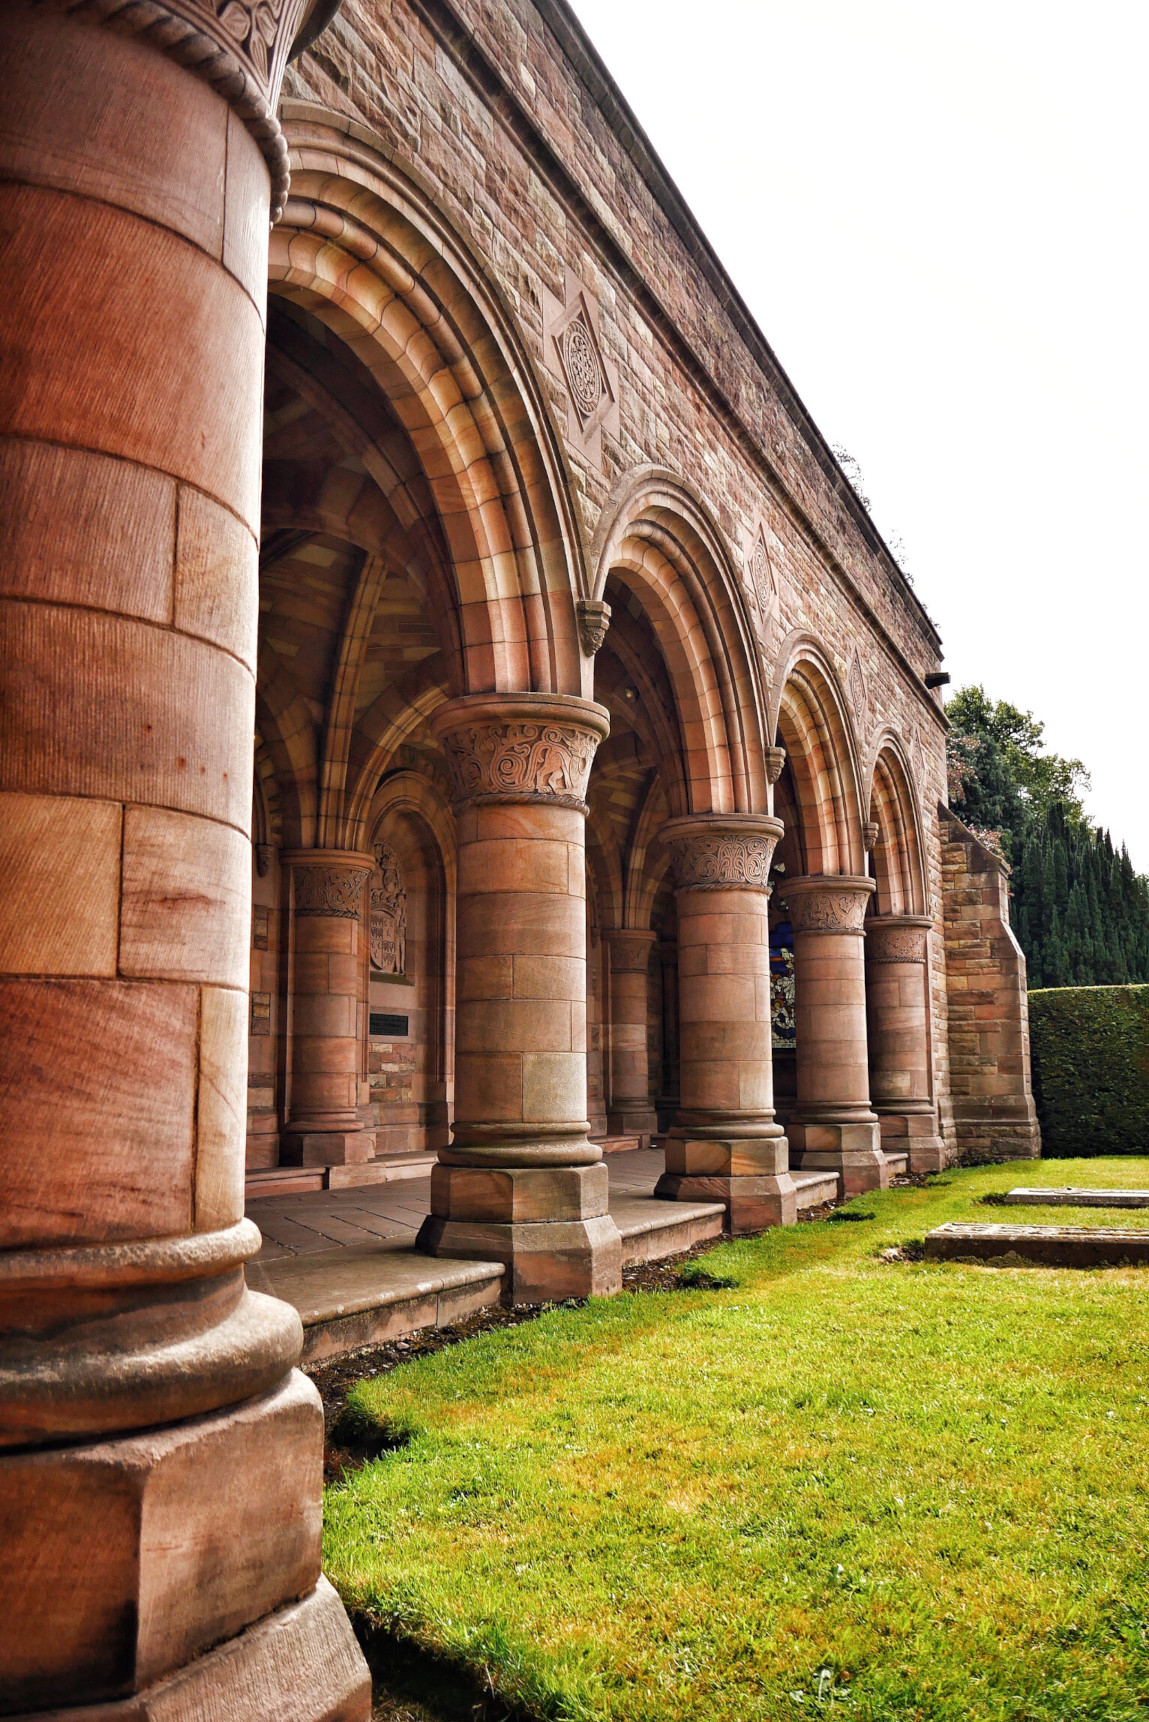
{"points": [[841, 1487]]}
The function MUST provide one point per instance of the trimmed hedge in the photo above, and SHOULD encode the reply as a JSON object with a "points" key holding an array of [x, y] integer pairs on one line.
{"points": [[1090, 1054]]}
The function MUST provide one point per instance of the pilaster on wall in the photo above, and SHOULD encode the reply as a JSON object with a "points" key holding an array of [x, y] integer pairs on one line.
{"points": [[993, 1109]]}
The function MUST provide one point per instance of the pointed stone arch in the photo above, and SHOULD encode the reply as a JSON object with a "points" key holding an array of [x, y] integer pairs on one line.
{"points": [[810, 715], [368, 251], [658, 539], [899, 847]]}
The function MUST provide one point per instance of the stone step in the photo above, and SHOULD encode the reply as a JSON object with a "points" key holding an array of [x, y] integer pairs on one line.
{"points": [[392, 1170], [371, 1294], [283, 1181], [299, 1180], [652, 1229], [1047, 1246], [1068, 1197], [898, 1162], [617, 1144], [815, 1189]]}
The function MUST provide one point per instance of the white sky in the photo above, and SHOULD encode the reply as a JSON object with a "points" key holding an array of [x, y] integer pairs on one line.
{"points": [[937, 216]]}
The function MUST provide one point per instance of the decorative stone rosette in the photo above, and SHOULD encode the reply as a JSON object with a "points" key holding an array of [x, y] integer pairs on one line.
{"points": [[520, 747], [828, 903], [330, 882], [722, 852], [897, 938]]}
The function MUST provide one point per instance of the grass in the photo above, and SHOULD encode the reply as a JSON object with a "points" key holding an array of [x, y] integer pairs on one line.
{"points": [[838, 1486]]}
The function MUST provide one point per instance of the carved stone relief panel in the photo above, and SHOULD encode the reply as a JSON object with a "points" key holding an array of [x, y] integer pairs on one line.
{"points": [[760, 582], [388, 913], [573, 352], [856, 692]]}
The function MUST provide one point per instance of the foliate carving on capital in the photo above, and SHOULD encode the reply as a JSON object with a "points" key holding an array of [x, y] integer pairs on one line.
{"points": [[829, 910], [775, 760], [520, 762], [629, 951], [721, 860], [890, 943], [332, 890], [239, 47]]}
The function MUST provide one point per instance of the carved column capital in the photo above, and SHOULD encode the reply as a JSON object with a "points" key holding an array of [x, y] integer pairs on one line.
{"points": [[520, 747], [722, 851], [828, 902], [239, 47], [629, 948], [329, 882], [775, 760], [871, 831], [897, 938]]}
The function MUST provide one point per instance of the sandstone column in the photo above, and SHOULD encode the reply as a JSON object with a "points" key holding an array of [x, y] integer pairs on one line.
{"points": [[631, 1110], [324, 1126], [834, 1126], [726, 1145], [520, 1182], [160, 1458], [898, 1030]]}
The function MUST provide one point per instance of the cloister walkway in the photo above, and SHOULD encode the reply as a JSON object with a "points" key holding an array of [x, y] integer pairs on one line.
{"points": [[346, 1258]]}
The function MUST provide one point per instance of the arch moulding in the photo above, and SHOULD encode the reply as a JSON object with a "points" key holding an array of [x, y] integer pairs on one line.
{"points": [[365, 246]]}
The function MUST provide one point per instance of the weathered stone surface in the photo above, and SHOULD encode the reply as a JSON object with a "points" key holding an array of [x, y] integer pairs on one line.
{"points": [[1069, 1197], [200, 1530], [300, 1664], [1049, 1246]]}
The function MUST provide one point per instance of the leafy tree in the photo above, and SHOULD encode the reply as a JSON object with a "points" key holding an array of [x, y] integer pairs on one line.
{"points": [[1080, 911]]}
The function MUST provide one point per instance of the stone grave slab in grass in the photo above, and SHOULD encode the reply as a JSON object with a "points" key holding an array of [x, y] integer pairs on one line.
{"points": [[1068, 1197], [1048, 1246]]}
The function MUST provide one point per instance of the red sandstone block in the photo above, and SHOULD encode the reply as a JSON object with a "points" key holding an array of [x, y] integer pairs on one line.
{"points": [[186, 904], [143, 390], [79, 528], [216, 576], [97, 1101], [246, 206], [117, 127], [47, 926], [142, 715], [191, 1534]]}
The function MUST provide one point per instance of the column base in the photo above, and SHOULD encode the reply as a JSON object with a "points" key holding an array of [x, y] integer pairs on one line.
{"points": [[546, 1261], [852, 1150], [326, 1147], [520, 1194], [751, 1175], [300, 1664], [193, 1534], [752, 1204], [915, 1134]]}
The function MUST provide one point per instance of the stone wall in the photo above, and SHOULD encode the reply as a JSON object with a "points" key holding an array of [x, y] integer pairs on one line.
{"points": [[991, 1094], [505, 119]]}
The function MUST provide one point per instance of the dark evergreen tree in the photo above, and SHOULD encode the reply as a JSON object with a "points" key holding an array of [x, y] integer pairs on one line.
{"points": [[1080, 911]]}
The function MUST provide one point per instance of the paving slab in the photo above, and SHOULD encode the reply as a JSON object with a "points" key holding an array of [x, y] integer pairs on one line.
{"points": [[1048, 1246], [1067, 1196]]}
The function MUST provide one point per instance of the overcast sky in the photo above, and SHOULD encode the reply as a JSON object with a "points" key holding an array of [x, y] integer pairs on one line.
{"points": [[937, 216]]}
